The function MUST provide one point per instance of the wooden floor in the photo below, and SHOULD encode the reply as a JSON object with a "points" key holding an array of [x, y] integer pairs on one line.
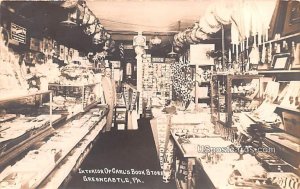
{"points": [[123, 151]]}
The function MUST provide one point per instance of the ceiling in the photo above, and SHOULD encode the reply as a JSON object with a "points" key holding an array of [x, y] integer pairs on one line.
{"points": [[126, 17]]}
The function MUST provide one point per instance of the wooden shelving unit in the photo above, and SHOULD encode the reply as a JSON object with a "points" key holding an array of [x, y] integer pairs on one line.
{"points": [[221, 102]]}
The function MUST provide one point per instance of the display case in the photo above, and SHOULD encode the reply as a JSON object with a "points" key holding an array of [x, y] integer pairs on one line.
{"points": [[58, 155], [24, 120], [203, 78], [231, 94], [72, 99]]}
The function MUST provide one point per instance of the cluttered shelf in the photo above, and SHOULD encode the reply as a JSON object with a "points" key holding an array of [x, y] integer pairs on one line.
{"points": [[288, 108], [91, 123], [72, 85], [17, 97], [59, 176], [284, 38], [238, 77], [238, 95], [14, 151], [278, 71]]}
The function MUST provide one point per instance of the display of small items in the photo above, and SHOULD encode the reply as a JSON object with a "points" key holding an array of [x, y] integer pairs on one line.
{"points": [[205, 74], [157, 80], [239, 105], [182, 81], [89, 97], [245, 90]]}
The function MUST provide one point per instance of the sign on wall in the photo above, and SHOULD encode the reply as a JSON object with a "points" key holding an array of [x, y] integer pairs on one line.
{"points": [[18, 33], [199, 54]]}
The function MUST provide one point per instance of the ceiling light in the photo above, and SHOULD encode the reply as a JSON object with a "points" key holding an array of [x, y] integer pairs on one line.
{"points": [[68, 23], [156, 40], [139, 40], [172, 53]]}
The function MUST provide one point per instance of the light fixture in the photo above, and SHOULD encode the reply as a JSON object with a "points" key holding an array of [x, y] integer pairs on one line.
{"points": [[68, 23], [156, 40], [172, 53], [106, 45], [139, 40]]}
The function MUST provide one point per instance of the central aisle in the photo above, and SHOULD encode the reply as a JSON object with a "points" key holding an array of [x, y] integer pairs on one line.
{"points": [[123, 151]]}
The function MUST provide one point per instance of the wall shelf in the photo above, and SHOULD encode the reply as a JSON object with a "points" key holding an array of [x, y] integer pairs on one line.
{"points": [[283, 38], [278, 71], [13, 98], [288, 108]]}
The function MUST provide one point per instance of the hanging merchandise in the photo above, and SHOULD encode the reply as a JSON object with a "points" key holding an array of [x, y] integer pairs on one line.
{"points": [[208, 23], [80, 10], [112, 46], [201, 35], [99, 27], [107, 36], [237, 23], [90, 29], [193, 33], [86, 16], [97, 38], [181, 38], [222, 12], [69, 4], [235, 34], [182, 82], [211, 20], [121, 49], [61, 52], [106, 45], [188, 37], [92, 19], [254, 54], [66, 54], [177, 42]]}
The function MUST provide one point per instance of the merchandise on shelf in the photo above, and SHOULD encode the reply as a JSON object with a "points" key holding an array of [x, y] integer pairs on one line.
{"points": [[232, 94], [73, 74], [13, 76], [156, 82], [73, 98], [53, 151]]}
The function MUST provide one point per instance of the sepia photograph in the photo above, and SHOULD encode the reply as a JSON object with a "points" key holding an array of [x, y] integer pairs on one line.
{"points": [[150, 94]]}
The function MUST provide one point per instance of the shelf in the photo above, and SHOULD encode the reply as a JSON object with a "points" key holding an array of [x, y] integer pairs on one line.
{"points": [[205, 82], [283, 38], [278, 71], [288, 108], [204, 98], [24, 145], [236, 77], [64, 155], [205, 65], [235, 95], [88, 107], [221, 122], [64, 85], [12, 98], [60, 174], [121, 121]]}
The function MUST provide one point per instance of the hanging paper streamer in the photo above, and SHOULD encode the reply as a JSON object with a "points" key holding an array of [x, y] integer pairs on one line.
{"points": [[121, 47]]}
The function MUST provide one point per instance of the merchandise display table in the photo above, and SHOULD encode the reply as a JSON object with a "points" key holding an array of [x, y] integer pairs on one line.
{"points": [[192, 149], [223, 167], [62, 152]]}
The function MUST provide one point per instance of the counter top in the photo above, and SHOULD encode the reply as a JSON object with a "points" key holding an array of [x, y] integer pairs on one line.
{"points": [[226, 169]]}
